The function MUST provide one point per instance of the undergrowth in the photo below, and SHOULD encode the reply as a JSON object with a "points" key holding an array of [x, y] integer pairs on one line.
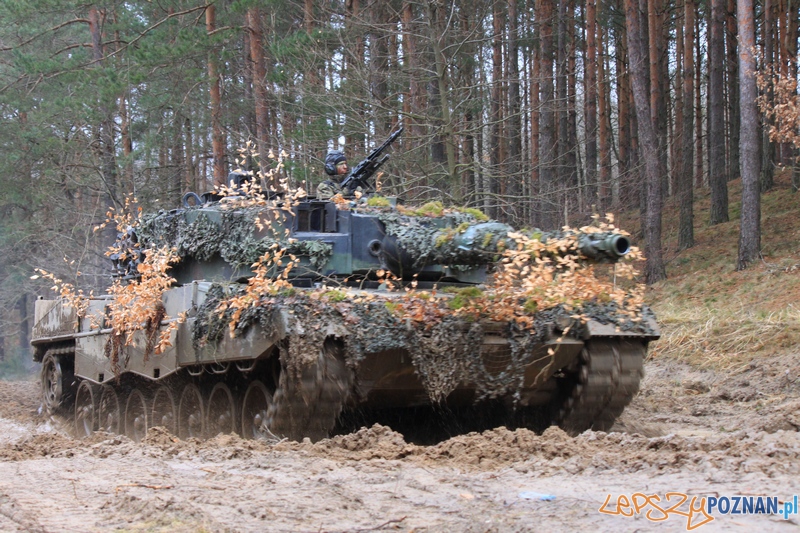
{"points": [[712, 316]]}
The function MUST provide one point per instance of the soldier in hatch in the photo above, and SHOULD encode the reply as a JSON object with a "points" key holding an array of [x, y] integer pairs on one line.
{"points": [[336, 167]]}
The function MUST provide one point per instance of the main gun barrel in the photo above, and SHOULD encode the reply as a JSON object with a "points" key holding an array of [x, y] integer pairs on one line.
{"points": [[493, 237], [603, 246], [484, 243]]}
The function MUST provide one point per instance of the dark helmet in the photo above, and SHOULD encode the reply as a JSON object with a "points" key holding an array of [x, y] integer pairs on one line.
{"points": [[333, 158]]}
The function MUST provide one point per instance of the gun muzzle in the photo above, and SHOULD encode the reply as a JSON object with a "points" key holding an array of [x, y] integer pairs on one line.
{"points": [[604, 245]]}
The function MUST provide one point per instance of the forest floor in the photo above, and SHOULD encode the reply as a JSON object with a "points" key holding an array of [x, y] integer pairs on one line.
{"points": [[718, 415]]}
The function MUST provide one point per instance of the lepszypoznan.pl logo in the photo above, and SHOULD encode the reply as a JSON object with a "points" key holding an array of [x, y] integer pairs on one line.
{"points": [[696, 511]]}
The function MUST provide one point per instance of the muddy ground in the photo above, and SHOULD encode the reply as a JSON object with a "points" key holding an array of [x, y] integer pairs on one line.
{"points": [[699, 433]]}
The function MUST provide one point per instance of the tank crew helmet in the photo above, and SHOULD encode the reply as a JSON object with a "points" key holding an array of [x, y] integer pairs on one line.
{"points": [[333, 158]]}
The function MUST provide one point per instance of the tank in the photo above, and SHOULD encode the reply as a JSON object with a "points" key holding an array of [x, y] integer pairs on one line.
{"points": [[292, 318]]}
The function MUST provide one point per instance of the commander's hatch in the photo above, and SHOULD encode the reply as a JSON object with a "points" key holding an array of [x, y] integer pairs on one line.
{"points": [[315, 217]]}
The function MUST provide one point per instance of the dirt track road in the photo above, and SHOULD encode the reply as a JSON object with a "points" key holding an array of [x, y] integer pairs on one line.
{"points": [[698, 433]]}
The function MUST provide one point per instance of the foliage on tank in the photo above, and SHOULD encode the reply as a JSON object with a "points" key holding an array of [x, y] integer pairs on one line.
{"points": [[136, 304]]}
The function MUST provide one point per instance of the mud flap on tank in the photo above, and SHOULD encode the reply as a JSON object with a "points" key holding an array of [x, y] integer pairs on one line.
{"points": [[307, 405]]}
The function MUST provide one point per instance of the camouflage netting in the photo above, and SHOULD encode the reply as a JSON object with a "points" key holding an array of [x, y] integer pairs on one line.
{"points": [[461, 238], [233, 238], [426, 238], [444, 352]]}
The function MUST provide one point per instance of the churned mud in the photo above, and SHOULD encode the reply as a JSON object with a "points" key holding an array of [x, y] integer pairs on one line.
{"points": [[698, 433]]}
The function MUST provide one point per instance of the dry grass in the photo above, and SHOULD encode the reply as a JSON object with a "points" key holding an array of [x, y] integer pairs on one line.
{"points": [[724, 339], [713, 316]]}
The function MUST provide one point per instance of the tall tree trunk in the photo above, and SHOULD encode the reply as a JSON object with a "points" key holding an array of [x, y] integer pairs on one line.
{"points": [[698, 108], [126, 186], [767, 177], [604, 125], [676, 138], [733, 89], [685, 185], [514, 128], [190, 176], [379, 67], [536, 65], [177, 164], [566, 173], [127, 146], [217, 135], [105, 130], [591, 103], [412, 104], [794, 27], [547, 155], [468, 184], [467, 83], [23, 337], [658, 105], [717, 177], [314, 148], [248, 75], [354, 116], [750, 230], [574, 162], [623, 110], [108, 164], [308, 16], [448, 135], [648, 144], [260, 95], [783, 149], [497, 155]]}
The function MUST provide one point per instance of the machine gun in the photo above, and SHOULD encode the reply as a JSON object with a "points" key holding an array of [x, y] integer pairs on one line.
{"points": [[367, 168]]}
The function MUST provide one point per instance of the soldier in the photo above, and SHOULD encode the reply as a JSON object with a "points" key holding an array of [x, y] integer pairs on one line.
{"points": [[336, 167]]}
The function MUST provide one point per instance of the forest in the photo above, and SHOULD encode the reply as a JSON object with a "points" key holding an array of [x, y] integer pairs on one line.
{"points": [[540, 113]]}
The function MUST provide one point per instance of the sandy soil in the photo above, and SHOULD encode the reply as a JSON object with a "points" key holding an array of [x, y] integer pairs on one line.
{"points": [[692, 432]]}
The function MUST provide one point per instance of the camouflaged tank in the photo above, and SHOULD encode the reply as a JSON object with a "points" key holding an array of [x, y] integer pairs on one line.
{"points": [[376, 315]]}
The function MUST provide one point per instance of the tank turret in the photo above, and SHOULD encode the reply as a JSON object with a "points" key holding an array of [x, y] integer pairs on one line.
{"points": [[350, 245]]}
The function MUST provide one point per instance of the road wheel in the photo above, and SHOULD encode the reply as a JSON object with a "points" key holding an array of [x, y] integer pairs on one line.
{"points": [[190, 413], [85, 409], [136, 416], [57, 386], [165, 409], [255, 407], [221, 411], [108, 410]]}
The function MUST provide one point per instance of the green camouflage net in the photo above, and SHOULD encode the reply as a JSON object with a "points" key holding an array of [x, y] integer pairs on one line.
{"points": [[425, 237], [445, 353], [232, 237]]}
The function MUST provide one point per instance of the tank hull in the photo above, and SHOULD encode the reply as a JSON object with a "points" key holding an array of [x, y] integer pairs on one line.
{"points": [[294, 368]]}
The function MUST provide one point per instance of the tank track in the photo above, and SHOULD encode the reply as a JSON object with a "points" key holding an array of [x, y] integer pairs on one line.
{"points": [[302, 406], [307, 403], [309, 407], [605, 382]]}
